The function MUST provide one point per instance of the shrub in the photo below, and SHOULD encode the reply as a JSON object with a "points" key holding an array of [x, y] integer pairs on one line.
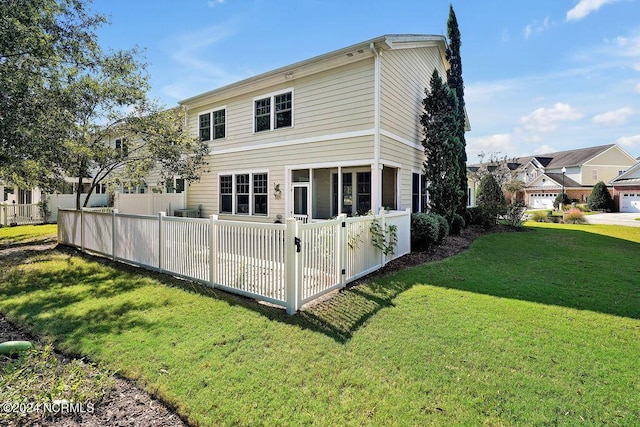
{"points": [[574, 216], [475, 216], [468, 216], [491, 200], [514, 215], [561, 198], [424, 231], [457, 224], [443, 227], [539, 216], [600, 198]]}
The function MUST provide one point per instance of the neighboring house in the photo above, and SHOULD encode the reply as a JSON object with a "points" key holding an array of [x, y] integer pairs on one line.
{"points": [[338, 133], [626, 188], [577, 171]]}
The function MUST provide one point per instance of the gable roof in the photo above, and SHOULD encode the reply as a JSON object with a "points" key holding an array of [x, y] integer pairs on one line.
{"points": [[630, 176], [555, 178], [566, 158], [325, 62]]}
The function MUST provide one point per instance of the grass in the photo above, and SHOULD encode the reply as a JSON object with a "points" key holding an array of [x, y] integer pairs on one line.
{"points": [[27, 234], [535, 328]]}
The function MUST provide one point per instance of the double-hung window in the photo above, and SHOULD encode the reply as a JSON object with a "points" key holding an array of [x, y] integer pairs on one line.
{"points": [[244, 194], [121, 147], [212, 125], [273, 112]]}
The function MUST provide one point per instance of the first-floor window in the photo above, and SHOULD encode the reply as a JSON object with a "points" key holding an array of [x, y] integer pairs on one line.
{"points": [[244, 194], [260, 194], [419, 194], [226, 194]]}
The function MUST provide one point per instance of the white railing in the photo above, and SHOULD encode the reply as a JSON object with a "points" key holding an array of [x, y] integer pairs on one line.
{"points": [[286, 264], [13, 214]]}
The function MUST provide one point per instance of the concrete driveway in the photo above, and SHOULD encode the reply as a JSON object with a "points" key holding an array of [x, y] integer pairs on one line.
{"points": [[614, 219]]}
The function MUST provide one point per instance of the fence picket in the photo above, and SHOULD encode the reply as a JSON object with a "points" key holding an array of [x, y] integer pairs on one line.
{"points": [[258, 260]]}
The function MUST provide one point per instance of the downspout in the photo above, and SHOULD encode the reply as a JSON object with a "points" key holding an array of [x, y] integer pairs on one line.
{"points": [[376, 167]]}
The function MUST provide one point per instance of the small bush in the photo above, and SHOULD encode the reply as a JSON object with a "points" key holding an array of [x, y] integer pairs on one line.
{"points": [[475, 216], [574, 216], [427, 230], [561, 198], [467, 216], [514, 215], [600, 198], [491, 200], [539, 216], [443, 228], [424, 231], [457, 224]]}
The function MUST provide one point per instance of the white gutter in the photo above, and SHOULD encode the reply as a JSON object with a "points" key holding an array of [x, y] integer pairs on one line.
{"points": [[376, 200]]}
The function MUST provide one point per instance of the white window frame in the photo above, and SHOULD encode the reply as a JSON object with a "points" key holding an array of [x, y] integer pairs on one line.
{"points": [[234, 193], [272, 110], [212, 136]]}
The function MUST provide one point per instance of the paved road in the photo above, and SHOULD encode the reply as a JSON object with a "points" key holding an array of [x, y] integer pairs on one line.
{"points": [[614, 218]]}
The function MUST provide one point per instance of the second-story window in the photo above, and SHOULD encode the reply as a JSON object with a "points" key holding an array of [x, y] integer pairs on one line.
{"points": [[212, 125], [205, 127], [218, 124], [283, 110], [273, 112], [263, 114], [121, 147]]}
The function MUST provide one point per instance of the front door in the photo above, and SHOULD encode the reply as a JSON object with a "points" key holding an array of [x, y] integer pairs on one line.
{"points": [[301, 201]]}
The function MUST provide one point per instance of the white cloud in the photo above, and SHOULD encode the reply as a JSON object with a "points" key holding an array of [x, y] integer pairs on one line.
{"points": [[629, 46], [214, 3], [547, 119], [536, 27], [636, 67], [497, 144], [629, 141], [585, 7], [544, 149], [637, 88], [610, 118]]}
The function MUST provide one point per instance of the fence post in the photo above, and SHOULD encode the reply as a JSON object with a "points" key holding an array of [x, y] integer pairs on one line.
{"points": [[160, 239], [82, 229], [4, 216], [213, 250], [383, 227], [114, 234], [291, 265], [342, 249]]}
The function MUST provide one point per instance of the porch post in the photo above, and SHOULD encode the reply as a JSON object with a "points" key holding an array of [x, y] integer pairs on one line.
{"points": [[339, 207]]}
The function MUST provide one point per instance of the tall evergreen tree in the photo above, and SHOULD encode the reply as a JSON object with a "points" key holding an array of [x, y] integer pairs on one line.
{"points": [[440, 123], [455, 82]]}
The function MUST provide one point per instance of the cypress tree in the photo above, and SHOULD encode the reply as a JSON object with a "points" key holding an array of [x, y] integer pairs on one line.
{"points": [[456, 83], [440, 123]]}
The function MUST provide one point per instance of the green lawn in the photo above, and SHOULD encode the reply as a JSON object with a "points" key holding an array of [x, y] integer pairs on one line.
{"points": [[532, 328]]}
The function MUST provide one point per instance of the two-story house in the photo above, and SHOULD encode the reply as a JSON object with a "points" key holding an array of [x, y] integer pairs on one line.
{"points": [[545, 176], [337, 133]]}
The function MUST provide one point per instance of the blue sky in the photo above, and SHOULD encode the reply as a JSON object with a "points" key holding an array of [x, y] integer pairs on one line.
{"points": [[540, 75]]}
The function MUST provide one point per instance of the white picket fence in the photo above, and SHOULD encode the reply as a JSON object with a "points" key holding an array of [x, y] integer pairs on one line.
{"points": [[286, 264], [14, 214]]}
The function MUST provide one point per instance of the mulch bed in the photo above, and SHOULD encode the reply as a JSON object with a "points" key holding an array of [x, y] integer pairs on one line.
{"points": [[128, 405]]}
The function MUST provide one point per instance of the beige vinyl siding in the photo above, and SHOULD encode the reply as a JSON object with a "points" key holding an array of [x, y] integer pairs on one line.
{"points": [[608, 165], [274, 160], [334, 101], [411, 159], [405, 73]]}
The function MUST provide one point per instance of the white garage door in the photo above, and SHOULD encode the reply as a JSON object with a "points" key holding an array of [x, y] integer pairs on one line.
{"points": [[541, 201], [630, 202]]}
